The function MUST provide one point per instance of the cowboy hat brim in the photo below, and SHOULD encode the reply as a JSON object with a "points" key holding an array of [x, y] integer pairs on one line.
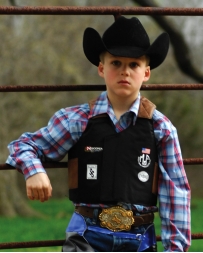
{"points": [[93, 46]]}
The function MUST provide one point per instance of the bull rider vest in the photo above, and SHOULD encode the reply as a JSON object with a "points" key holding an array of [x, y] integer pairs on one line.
{"points": [[109, 167]]}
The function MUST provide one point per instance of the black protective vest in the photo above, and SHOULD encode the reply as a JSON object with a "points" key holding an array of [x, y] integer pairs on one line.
{"points": [[109, 167]]}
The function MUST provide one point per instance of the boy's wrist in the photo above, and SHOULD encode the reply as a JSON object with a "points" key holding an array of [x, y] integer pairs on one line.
{"points": [[31, 168]]}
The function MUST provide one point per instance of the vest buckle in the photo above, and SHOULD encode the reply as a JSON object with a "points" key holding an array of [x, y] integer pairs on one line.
{"points": [[116, 218]]}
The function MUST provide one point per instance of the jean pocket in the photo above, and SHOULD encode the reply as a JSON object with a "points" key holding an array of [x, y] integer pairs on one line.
{"points": [[77, 224]]}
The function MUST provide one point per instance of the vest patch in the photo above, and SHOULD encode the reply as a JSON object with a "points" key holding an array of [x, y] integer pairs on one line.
{"points": [[143, 176], [91, 171], [144, 160], [93, 149]]}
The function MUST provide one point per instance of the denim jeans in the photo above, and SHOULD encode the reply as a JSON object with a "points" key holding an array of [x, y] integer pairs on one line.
{"points": [[114, 243], [83, 231]]}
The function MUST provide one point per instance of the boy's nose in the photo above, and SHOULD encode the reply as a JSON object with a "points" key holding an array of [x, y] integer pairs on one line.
{"points": [[125, 71]]}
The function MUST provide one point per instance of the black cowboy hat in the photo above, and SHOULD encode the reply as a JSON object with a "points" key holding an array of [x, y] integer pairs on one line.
{"points": [[125, 38]]}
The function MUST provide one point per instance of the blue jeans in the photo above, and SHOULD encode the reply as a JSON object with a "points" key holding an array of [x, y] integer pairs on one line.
{"points": [[114, 243], [140, 238]]}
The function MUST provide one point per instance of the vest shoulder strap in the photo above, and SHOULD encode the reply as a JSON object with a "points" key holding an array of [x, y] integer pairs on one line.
{"points": [[146, 108]]}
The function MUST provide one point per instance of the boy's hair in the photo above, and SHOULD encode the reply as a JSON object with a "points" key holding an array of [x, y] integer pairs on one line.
{"points": [[102, 56]]}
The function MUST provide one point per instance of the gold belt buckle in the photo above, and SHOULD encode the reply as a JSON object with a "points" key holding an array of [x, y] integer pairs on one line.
{"points": [[116, 219]]}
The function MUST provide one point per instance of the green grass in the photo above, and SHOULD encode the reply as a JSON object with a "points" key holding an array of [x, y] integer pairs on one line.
{"points": [[58, 213], [52, 227]]}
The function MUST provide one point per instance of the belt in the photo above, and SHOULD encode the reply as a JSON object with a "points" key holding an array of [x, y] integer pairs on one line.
{"points": [[116, 218]]}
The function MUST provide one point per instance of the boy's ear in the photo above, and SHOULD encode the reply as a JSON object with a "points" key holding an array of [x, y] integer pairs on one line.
{"points": [[147, 74], [101, 69]]}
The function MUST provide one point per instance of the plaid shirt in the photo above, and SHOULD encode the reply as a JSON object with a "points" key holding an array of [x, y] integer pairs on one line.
{"points": [[66, 127]]}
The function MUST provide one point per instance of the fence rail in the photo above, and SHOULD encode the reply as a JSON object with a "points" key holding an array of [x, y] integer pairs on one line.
{"points": [[96, 87], [54, 243], [98, 10]]}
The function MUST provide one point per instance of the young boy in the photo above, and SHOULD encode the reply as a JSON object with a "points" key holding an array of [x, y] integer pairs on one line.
{"points": [[122, 152]]}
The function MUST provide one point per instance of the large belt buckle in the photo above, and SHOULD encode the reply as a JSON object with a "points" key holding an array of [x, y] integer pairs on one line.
{"points": [[116, 219]]}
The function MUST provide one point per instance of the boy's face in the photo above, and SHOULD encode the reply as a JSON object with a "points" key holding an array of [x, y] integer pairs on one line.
{"points": [[123, 76]]}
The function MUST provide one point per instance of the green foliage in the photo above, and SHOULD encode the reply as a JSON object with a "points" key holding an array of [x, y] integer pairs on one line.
{"points": [[57, 215]]}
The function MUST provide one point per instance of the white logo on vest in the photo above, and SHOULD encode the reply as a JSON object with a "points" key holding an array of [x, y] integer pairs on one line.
{"points": [[144, 160], [143, 176], [91, 171]]}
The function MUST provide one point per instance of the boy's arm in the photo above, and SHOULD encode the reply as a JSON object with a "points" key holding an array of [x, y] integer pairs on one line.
{"points": [[49, 143], [174, 192]]}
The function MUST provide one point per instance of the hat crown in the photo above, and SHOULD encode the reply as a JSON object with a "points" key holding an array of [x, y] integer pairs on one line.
{"points": [[126, 33], [125, 38]]}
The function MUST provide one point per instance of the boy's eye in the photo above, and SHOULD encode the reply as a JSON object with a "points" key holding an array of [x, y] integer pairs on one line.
{"points": [[116, 63], [133, 64]]}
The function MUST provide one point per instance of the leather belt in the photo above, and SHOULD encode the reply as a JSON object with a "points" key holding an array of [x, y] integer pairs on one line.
{"points": [[116, 218]]}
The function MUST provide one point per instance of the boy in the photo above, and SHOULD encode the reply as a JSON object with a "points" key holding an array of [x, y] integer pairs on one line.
{"points": [[115, 145]]}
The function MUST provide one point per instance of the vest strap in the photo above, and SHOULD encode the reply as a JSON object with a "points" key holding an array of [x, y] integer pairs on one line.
{"points": [[146, 108]]}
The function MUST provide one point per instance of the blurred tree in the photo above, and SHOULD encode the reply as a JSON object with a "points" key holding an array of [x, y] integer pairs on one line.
{"points": [[181, 49], [12, 2]]}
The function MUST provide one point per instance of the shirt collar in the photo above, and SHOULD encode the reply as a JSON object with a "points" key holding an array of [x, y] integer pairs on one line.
{"points": [[102, 105]]}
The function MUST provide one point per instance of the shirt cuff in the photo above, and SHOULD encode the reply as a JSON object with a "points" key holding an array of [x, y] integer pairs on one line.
{"points": [[28, 168]]}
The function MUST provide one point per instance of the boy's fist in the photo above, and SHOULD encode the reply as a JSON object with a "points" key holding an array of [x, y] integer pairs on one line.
{"points": [[39, 187]]}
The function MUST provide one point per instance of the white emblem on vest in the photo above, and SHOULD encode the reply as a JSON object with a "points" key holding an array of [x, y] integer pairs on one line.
{"points": [[143, 176], [91, 171], [144, 160]]}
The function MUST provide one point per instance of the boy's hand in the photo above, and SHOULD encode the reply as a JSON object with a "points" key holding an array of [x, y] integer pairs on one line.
{"points": [[39, 187]]}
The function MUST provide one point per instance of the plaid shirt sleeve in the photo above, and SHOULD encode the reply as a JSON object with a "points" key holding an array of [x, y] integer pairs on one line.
{"points": [[49, 143], [174, 189]]}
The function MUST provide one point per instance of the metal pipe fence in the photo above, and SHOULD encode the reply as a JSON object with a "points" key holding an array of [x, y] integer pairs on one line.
{"points": [[98, 10]]}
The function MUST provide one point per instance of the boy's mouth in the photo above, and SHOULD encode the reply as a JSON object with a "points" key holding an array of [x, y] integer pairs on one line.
{"points": [[124, 81]]}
